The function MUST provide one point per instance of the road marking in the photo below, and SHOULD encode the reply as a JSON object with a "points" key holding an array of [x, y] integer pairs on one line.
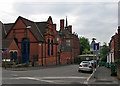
{"points": [[86, 82], [25, 78], [50, 79]]}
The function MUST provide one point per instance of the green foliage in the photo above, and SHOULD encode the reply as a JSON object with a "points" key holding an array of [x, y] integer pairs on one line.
{"points": [[84, 44], [104, 51], [117, 60], [86, 51]]}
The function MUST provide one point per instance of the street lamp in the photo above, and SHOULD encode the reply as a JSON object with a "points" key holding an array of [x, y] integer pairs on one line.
{"points": [[28, 27]]}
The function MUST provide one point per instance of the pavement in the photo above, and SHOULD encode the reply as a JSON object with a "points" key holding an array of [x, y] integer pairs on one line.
{"points": [[102, 77]]}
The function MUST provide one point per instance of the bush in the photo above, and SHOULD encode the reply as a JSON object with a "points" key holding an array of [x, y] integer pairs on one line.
{"points": [[117, 61]]}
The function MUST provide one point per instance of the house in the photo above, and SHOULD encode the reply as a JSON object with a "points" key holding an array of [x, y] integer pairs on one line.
{"points": [[40, 41], [68, 43], [10, 50], [114, 47]]}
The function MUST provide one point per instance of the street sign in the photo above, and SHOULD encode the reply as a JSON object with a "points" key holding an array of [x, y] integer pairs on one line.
{"points": [[96, 46], [91, 46]]}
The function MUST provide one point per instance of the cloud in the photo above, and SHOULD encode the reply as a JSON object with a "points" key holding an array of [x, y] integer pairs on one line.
{"points": [[88, 19]]}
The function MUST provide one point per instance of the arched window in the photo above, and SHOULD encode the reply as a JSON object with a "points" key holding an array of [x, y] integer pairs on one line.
{"points": [[48, 47], [52, 47], [15, 55], [11, 55]]}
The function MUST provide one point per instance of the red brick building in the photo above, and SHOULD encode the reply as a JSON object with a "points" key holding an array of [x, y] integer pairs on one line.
{"points": [[114, 47], [46, 45]]}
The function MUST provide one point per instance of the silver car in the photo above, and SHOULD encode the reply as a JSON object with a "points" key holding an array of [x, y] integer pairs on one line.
{"points": [[85, 66]]}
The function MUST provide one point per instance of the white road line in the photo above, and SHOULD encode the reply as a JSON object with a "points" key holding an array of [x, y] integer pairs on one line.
{"points": [[25, 78], [86, 82], [49, 79]]}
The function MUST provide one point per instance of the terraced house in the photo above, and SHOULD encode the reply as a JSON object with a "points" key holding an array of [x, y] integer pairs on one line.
{"points": [[26, 40]]}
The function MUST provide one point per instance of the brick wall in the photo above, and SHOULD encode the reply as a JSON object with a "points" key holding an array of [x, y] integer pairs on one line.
{"points": [[12, 47], [65, 56]]}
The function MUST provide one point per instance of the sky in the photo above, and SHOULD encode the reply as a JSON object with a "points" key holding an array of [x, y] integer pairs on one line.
{"points": [[89, 18]]}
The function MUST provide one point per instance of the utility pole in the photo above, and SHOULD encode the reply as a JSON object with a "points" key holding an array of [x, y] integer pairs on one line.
{"points": [[96, 48], [92, 50]]}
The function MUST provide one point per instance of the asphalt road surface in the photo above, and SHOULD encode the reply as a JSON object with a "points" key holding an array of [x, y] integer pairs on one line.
{"points": [[67, 74]]}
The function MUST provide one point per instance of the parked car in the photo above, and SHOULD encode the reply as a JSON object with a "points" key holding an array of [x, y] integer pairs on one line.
{"points": [[85, 66]]}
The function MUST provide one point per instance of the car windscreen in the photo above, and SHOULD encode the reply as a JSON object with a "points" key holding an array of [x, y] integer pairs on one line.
{"points": [[85, 64]]}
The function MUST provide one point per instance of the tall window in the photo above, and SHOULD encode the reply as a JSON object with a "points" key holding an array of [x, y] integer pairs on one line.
{"points": [[11, 55], [52, 47], [15, 55], [67, 42], [48, 47]]}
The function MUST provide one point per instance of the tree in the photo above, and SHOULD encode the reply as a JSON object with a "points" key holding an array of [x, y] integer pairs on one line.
{"points": [[84, 44], [86, 51], [104, 51]]}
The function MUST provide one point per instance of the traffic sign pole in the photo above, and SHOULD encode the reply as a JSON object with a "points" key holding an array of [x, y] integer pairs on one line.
{"points": [[96, 48]]}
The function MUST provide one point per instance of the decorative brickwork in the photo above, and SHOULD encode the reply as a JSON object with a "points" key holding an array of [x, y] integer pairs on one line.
{"points": [[47, 46]]}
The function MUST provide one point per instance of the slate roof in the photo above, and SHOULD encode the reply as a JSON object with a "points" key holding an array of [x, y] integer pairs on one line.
{"points": [[42, 26], [64, 33], [34, 29], [37, 28], [6, 42], [8, 27], [5, 29]]}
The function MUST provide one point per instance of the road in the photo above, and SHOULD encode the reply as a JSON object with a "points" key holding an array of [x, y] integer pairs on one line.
{"points": [[67, 74]]}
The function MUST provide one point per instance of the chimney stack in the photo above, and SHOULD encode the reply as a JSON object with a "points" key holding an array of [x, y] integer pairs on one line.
{"points": [[54, 27], [70, 28], [62, 24]]}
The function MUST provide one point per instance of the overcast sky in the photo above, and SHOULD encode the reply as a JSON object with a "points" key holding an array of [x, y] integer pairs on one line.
{"points": [[89, 19]]}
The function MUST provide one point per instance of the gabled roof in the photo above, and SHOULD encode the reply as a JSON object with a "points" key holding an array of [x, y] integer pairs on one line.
{"points": [[50, 20], [34, 29], [42, 26], [37, 28], [8, 27], [6, 43], [63, 34]]}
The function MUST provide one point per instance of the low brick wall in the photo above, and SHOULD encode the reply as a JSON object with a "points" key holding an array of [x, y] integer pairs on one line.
{"points": [[118, 71]]}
